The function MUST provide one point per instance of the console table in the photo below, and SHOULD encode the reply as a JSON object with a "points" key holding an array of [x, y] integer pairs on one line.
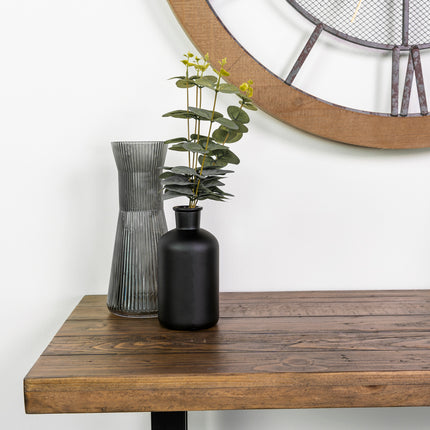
{"points": [[270, 350]]}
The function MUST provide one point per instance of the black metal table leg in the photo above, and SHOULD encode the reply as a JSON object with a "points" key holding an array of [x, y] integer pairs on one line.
{"points": [[169, 420]]}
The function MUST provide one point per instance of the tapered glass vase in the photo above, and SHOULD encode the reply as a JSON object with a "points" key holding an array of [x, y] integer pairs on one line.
{"points": [[141, 222]]}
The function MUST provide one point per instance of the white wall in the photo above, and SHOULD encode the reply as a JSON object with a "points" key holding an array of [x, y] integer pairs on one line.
{"points": [[308, 213]]}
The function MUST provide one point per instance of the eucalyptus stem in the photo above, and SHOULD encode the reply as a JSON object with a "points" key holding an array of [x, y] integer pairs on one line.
{"points": [[198, 124], [207, 140], [188, 117], [210, 125]]}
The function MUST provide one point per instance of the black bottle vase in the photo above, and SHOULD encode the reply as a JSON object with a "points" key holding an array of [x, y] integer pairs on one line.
{"points": [[188, 274]]}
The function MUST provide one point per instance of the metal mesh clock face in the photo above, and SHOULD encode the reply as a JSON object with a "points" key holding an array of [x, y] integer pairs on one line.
{"points": [[378, 23]]}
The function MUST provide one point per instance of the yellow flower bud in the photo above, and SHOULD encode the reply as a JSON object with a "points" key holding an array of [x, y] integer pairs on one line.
{"points": [[223, 72], [244, 87]]}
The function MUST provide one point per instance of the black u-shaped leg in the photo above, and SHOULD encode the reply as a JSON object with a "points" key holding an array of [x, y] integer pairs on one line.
{"points": [[169, 420]]}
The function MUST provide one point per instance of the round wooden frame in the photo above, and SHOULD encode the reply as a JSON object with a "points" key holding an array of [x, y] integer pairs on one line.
{"points": [[289, 104]]}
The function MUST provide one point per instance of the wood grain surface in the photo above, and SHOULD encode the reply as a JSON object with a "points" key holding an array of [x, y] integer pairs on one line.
{"points": [[290, 104], [269, 350]]}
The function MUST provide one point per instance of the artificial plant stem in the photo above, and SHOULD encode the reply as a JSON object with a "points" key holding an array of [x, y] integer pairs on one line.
{"points": [[207, 140], [193, 202], [198, 121], [210, 126], [188, 116], [196, 124]]}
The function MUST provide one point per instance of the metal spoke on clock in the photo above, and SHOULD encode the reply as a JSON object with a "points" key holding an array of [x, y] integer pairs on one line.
{"points": [[408, 86], [419, 78], [405, 23], [395, 82], [304, 54], [414, 68]]}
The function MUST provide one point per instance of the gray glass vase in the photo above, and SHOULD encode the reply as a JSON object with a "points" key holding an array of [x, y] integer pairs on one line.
{"points": [[141, 222]]}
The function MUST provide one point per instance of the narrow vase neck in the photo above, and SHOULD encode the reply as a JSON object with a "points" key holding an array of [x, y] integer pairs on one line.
{"points": [[139, 167], [187, 218]]}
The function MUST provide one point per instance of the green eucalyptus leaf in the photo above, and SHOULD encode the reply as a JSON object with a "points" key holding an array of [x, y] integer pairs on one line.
{"points": [[178, 147], [220, 135], [212, 162], [237, 114], [204, 114], [220, 163], [187, 171], [185, 83], [228, 88], [177, 77], [250, 106], [206, 160], [242, 128], [179, 114], [212, 182], [244, 98], [207, 81], [212, 146], [183, 170], [229, 157], [203, 189], [227, 123], [219, 191], [165, 175], [234, 136], [176, 140], [176, 180], [213, 196], [216, 198], [195, 147], [171, 195], [223, 135], [201, 139], [208, 171], [184, 191]]}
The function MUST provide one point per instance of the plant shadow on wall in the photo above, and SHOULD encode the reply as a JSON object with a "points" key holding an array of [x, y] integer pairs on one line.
{"points": [[188, 256]]}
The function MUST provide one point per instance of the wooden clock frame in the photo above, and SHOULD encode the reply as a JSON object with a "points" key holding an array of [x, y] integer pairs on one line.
{"points": [[290, 104]]}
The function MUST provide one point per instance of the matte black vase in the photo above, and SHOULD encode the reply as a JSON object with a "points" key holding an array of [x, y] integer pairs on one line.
{"points": [[188, 274]]}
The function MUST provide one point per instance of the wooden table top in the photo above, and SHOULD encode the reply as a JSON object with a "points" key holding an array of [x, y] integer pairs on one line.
{"points": [[269, 350]]}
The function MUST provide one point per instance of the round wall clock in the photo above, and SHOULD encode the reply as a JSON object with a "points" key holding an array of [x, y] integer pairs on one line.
{"points": [[397, 29]]}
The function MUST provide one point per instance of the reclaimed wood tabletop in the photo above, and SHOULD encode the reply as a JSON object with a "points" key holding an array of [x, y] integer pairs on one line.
{"points": [[269, 350]]}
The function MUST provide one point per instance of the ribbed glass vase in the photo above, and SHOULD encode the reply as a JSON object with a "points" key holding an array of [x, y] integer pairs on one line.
{"points": [[141, 222]]}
